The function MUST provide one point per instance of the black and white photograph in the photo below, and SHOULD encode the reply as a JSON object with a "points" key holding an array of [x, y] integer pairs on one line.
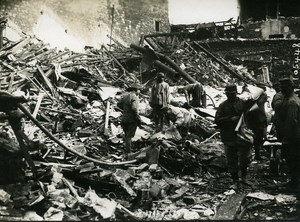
{"points": [[149, 110]]}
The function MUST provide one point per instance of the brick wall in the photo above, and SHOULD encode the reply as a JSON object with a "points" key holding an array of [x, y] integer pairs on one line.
{"points": [[91, 20]]}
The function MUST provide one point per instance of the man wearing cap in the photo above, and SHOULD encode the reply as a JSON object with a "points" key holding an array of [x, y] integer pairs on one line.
{"points": [[196, 91], [226, 118], [290, 117], [159, 97], [130, 118]]}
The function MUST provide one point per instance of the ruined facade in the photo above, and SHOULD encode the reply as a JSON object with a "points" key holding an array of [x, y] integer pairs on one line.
{"points": [[91, 20]]}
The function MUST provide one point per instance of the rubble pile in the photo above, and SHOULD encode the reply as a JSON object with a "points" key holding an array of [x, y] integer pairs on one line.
{"points": [[71, 94], [198, 62], [204, 68], [85, 176]]}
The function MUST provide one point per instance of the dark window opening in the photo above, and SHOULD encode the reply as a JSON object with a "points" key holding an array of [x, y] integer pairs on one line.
{"points": [[157, 24], [275, 36]]}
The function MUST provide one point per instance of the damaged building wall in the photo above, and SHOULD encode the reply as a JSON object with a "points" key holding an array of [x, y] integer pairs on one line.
{"points": [[257, 10], [272, 28], [269, 19], [90, 21], [278, 54]]}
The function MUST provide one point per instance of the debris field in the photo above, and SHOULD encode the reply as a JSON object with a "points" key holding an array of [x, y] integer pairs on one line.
{"points": [[75, 140]]}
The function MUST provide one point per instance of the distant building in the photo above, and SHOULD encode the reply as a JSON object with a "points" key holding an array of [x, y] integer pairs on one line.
{"points": [[268, 19], [288, 28]]}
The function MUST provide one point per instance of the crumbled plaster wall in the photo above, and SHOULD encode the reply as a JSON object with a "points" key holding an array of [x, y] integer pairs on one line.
{"points": [[89, 20]]}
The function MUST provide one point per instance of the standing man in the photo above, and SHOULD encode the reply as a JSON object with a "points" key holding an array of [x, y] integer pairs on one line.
{"points": [[159, 97], [227, 117], [257, 122], [131, 119], [197, 92], [276, 106], [290, 117]]}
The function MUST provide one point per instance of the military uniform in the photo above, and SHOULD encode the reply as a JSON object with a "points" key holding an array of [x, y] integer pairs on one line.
{"points": [[227, 117], [130, 119], [290, 117]]}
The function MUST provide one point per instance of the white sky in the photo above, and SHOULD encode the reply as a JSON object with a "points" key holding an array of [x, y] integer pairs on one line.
{"points": [[201, 11]]}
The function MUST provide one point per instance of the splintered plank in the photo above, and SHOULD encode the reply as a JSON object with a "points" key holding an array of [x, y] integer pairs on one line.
{"points": [[12, 76], [229, 209], [38, 104], [8, 66], [106, 129], [19, 46], [46, 80], [59, 55]]}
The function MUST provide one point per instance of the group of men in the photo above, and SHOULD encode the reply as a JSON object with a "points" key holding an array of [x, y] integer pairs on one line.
{"points": [[227, 117], [286, 121], [162, 111]]}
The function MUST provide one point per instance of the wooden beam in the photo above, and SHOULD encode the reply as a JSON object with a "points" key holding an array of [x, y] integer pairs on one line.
{"points": [[20, 45], [12, 76], [69, 58], [100, 73], [38, 104], [39, 87], [62, 112], [116, 60], [8, 66], [106, 129], [46, 79], [226, 67], [169, 61], [59, 55], [43, 54]]}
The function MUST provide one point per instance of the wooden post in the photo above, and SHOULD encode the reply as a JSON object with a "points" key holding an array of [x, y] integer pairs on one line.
{"points": [[106, 129], [1, 36], [266, 75], [112, 23], [3, 22]]}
